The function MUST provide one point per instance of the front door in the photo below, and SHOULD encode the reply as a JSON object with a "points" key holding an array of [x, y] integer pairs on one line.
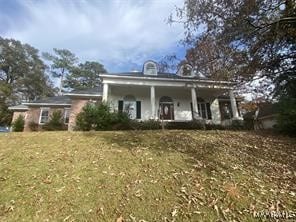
{"points": [[167, 111]]}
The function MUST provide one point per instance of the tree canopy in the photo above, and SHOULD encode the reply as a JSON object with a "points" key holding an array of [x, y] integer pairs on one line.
{"points": [[85, 75], [237, 40], [22, 75], [62, 63]]}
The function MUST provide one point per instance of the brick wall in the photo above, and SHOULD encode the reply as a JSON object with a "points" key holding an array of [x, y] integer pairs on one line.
{"points": [[76, 107], [16, 114], [33, 115]]}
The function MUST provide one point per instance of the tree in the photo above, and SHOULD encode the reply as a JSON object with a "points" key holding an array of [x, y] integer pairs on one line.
{"points": [[86, 75], [242, 39], [286, 119], [63, 61], [22, 76]]}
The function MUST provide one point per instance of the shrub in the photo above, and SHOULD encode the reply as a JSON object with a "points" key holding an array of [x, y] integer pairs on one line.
{"points": [[249, 123], [214, 127], [56, 122], [194, 124], [99, 117], [121, 121], [85, 119], [237, 125], [19, 124], [150, 125], [286, 120], [145, 125]]}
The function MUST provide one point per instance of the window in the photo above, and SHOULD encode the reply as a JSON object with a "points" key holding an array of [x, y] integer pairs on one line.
{"points": [[66, 115], [204, 109], [150, 68], [130, 106], [44, 115], [185, 70]]}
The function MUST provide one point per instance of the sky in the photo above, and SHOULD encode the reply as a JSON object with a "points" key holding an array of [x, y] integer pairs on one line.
{"points": [[120, 34]]}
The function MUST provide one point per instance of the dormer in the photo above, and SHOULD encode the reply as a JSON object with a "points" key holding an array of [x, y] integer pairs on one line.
{"points": [[186, 70], [150, 68]]}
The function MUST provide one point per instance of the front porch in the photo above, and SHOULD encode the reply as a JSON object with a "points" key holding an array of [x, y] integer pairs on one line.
{"points": [[168, 103]]}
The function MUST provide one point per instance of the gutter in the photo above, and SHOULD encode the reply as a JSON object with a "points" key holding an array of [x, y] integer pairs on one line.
{"points": [[47, 104], [24, 109], [83, 95], [166, 79]]}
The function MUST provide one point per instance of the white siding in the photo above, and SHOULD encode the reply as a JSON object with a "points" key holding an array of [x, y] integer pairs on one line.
{"points": [[181, 96]]}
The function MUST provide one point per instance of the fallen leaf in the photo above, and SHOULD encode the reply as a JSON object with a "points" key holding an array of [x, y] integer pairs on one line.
{"points": [[119, 219]]}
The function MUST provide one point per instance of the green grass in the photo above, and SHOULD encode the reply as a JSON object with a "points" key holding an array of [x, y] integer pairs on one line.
{"points": [[145, 176]]}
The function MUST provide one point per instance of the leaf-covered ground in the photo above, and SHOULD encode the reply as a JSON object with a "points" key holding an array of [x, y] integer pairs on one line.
{"points": [[145, 176]]}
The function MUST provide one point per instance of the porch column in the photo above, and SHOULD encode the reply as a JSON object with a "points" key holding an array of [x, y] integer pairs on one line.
{"points": [[152, 100], [194, 104], [105, 92], [233, 105]]}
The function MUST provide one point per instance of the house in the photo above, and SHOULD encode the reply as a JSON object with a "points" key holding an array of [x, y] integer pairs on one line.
{"points": [[146, 95]]}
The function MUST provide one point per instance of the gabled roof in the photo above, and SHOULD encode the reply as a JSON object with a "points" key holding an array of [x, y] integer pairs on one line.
{"points": [[51, 101]]}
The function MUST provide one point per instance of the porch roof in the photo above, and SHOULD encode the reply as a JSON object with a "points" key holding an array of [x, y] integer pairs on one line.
{"points": [[162, 78]]}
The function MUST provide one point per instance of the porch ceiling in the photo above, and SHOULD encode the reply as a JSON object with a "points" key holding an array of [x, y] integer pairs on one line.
{"points": [[165, 90]]}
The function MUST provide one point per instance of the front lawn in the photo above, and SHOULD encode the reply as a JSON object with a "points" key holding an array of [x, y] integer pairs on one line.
{"points": [[145, 176]]}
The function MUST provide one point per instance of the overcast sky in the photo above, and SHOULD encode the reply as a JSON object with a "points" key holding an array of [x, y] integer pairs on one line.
{"points": [[121, 34]]}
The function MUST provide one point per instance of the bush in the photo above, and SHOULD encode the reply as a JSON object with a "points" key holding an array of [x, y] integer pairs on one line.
{"points": [[237, 125], [194, 124], [249, 123], [214, 127], [99, 117], [19, 124], [56, 122], [145, 125], [121, 121], [286, 120]]}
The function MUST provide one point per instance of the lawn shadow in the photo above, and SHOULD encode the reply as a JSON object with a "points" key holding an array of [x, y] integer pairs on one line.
{"points": [[162, 142]]}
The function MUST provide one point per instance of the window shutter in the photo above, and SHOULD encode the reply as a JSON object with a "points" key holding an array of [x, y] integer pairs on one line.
{"points": [[203, 110], [191, 108], [120, 105], [209, 111], [138, 109]]}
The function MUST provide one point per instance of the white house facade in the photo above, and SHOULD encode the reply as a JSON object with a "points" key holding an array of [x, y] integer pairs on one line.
{"points": [[170, 97]]}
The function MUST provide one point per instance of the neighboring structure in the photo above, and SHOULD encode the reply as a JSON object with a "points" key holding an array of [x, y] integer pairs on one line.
{"points": [[146, 95], [265, 116]]}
